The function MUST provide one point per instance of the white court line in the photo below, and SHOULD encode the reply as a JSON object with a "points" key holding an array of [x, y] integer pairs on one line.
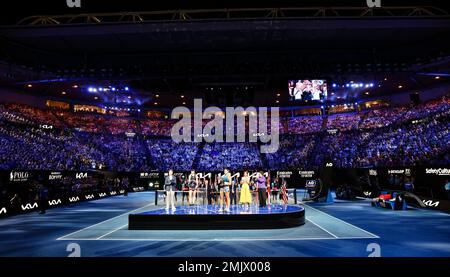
{"points": [[103, 221], [233, 239], [322, 228], [111, 232], [222, 239], [367, 232]]}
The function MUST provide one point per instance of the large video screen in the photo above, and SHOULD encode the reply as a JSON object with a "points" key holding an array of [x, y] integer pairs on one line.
{"points": [[304, 90]]}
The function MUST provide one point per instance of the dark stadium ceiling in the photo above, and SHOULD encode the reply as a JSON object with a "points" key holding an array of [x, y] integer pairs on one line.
{"points": [[195, 49]]}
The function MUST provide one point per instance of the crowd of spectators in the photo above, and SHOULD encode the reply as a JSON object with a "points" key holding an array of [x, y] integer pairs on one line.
{"points": [[305, 124], [240, 155], [393, 136], [166, 154], [344, 122]]}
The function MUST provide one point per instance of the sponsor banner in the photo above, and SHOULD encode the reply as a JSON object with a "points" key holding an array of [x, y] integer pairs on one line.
{"points": [[402, 171], [89, 196], [332, 131], [81, 175], [29, 206], [74, 199], [130, 134], [373, 172], [430, 203], [148, 175], [306, 173], [19, 176], [46, 126], [55, 175], [202, 175], [438, 171], [311, 184], [54, 202], [284, 174]]}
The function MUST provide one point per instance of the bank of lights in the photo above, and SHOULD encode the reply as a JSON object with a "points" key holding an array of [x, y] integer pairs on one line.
{"points": [[107, 89], [354, 85]]}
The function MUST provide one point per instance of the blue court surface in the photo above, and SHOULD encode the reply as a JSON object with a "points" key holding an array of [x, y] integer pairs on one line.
{"points": [[342, 229]]}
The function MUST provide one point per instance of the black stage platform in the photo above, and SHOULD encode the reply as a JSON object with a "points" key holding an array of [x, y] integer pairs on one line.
{"points": [[206, 217]]}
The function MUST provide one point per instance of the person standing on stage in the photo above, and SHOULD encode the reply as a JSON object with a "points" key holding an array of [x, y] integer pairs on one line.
{"points": [[233, 191], [210, 190], [225, 189], [193, 184], [170, 184], [262, 189], [246, 197]]}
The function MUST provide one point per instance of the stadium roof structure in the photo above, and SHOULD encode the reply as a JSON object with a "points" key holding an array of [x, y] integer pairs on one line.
{"points": [[187, 49]]}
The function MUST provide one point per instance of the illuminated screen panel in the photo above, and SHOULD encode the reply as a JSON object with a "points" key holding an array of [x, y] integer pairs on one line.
{"points": [[303, 90]]}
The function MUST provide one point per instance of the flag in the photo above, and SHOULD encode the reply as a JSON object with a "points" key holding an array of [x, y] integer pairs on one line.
{"points": [[284, 193], [268, 187]]}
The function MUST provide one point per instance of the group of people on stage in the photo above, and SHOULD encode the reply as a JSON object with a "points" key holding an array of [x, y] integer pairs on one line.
{"points": [[225, 191]]}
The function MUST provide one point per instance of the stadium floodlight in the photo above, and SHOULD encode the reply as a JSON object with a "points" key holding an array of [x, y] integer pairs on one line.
{"points": [[334, 85], [371, 85], [347, 85], [100, 89], [127, 88], [90, 89], [113, 88]]}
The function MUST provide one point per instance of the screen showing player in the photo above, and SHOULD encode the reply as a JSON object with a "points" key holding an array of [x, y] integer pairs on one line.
{"points": [[304, 90]]}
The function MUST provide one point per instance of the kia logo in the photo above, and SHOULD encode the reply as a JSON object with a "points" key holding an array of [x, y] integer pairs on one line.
{"points": [[74, 199], [54, 202], [81, 175], [29, 206], [431, 203]]}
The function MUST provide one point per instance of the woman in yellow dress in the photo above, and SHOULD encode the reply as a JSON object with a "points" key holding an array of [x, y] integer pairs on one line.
{"points": [[246, 196]]}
